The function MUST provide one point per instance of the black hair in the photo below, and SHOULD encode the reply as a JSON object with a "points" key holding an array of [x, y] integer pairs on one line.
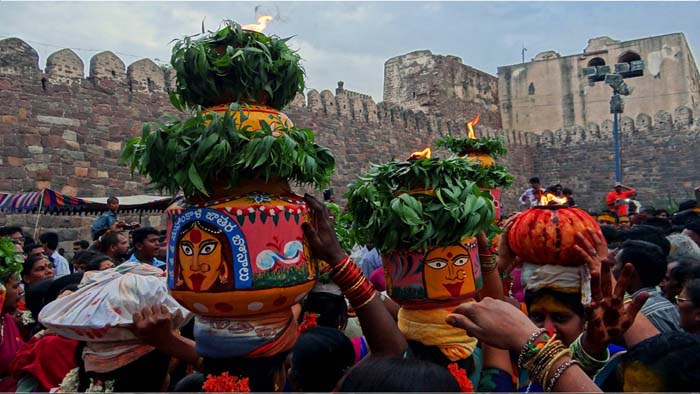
{"points": [[320, 358], [35, 295], [93, 261], [649, 234], [260, 371], [571, 300], [145, 374], [692, 289], [684, 270], [9, 230], [50, 239], [332, 309], [140, 234], [28, 247], [112, 199], [29, 263], [534, 179], [327, 194], [67, 282], [662, 224], [673, 356], [694, 226], [683, 218], [395, 374], [610, 233], [687, 204], [648, 209], [82, 243], [660, 211], [567, 192], [648, 260]]}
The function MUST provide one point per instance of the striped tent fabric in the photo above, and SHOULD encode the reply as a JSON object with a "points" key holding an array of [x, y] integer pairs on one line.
{"points": [[51, 202]]}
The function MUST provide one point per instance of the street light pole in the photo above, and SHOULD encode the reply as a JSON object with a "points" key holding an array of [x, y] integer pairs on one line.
{"points": [[616, 141]]}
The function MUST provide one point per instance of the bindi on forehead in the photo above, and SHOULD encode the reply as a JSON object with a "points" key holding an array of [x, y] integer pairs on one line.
{"points": [[196, 236], [449, 255]]}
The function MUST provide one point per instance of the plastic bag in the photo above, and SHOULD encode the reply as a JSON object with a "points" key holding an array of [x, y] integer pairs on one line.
{"points": [[101, 310]]}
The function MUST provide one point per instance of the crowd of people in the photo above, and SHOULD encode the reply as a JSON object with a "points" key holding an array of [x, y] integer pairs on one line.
{"points": [[629, 321]]}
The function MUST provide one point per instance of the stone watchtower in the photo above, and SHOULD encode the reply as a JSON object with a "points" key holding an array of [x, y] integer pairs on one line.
{"points": [[441, 85], [551, 92]]}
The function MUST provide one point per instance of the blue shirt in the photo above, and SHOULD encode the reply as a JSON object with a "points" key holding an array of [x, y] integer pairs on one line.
{"points": [[370, 262], [105, 221], [155, 262]]}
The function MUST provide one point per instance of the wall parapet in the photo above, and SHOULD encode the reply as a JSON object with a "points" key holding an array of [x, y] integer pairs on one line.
{"points": [[681, 121]]}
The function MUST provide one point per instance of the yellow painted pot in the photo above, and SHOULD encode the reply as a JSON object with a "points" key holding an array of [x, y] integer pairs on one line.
{"points": [[253, 115], [481, 159]]}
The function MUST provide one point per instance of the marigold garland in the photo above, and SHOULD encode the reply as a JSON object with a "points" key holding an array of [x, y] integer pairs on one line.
{"points": [[310, 320], [461, 375], [226, 384]]}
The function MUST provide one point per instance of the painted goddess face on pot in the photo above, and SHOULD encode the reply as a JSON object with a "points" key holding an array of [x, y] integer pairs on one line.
{"points": [[448, 272], [204, 255]]}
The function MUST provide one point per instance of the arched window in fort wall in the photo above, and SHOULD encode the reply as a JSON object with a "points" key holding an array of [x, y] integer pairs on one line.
{"points": [[596, 61], [629, 65]]}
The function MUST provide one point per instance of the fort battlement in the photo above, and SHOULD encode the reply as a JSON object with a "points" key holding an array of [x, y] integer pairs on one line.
{"points": [[63, 130]]}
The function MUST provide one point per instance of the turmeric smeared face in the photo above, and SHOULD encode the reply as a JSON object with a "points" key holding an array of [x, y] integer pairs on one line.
{"points": [[201, 259], [448, 272]]}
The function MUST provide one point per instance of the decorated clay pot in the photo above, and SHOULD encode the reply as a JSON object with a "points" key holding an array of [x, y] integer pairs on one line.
{"points": [[438, 276], [546, 234], [482, 159], [253, 114], [240, 255]]}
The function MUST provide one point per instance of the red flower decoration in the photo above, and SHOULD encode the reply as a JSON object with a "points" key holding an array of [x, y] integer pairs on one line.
{"points": [[226, 384], [461, 375], [310, 320]]}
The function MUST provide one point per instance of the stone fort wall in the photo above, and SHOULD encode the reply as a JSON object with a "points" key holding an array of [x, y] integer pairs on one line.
{"points": [[63, 130]]}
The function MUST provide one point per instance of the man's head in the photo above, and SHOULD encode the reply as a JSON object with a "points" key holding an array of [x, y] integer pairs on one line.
{"points": [[163, 250], [14, 233], [49, 241], [618, 187], [677, 273], [113, 204], [648, 260], [114, 245], [687, 204], [33, 250], [649, 234], [535, 182], [567, 192], [146, 242], [80, 246], [692, 229]]}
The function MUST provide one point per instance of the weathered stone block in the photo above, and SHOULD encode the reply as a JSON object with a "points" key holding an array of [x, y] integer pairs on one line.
{"points": [[59, 121]]}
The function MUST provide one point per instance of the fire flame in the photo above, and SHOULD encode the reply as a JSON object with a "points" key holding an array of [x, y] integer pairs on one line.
{"points": [[470, 126], [425, 153], [552, 199], [260, 26]]}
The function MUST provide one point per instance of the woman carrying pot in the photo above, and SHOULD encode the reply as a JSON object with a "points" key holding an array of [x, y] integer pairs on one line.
{"points": [[11, 343]]}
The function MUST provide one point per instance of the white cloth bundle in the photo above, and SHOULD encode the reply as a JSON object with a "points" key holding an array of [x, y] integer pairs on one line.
{"points": [[101, 310], [557, 277]]}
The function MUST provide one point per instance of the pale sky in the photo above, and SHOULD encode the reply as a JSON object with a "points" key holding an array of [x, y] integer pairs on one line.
{"points": [[350, 41]]}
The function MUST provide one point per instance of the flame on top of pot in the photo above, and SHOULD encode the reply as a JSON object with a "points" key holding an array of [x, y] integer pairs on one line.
{"points": [[552, 199], [260, 26], [470, 126], [425, 153]]}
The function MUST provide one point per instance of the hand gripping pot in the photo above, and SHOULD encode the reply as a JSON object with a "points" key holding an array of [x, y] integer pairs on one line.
{"points": [[436, 277], [101, 310]]}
